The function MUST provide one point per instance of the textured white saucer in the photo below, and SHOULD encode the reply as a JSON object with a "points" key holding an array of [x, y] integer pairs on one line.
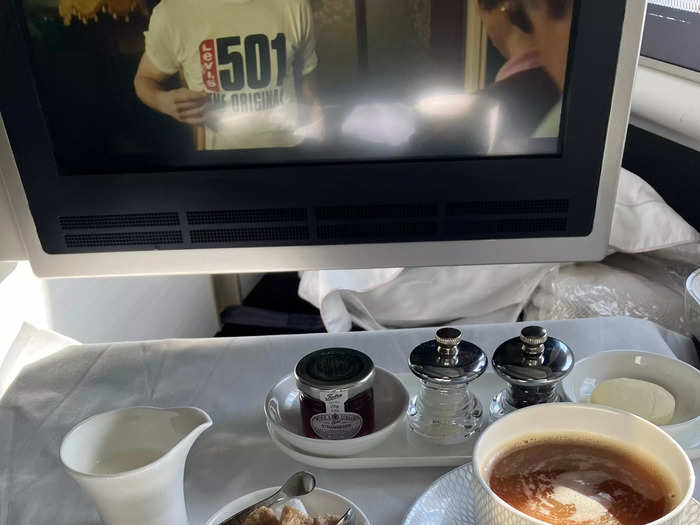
{"points": [[449, 501]]}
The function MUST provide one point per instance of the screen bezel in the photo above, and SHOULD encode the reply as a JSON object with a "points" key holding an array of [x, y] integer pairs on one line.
{"points": [[597, 31]]}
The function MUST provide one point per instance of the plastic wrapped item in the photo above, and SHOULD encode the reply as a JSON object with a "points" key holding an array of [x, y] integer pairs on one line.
{"points": [[649, 286]]}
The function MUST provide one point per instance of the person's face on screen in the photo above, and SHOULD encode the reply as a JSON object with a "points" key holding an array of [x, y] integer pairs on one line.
{"points": [[552, 28], [497, 26], [508, 26]]}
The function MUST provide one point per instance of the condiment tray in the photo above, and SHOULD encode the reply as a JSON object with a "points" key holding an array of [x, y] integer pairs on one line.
{"points": [[402, 448]]}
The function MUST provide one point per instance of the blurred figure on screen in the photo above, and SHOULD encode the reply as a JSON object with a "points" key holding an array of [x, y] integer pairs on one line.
{"points": [[551, 20], [248, 65], [523, 92], [502, 117]]}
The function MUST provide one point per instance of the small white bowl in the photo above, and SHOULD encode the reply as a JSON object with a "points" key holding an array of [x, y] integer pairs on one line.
{"points": [[317, 503], [284, 416], [680, 379]]}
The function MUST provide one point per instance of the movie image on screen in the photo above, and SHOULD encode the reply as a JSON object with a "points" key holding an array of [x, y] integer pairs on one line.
{"points": [[143, 84]]}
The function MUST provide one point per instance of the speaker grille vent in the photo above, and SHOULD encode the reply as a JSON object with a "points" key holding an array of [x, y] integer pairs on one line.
{"points": [[390, 211], [374, 230], [327, 224], [87, 240], [133, 220], [549, 224], [287, 233], [507, 226], [538, 207], [246, 216]]}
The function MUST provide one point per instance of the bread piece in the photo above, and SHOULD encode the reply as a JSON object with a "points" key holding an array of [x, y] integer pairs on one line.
{"points": [[327, 519], [292, 516], [261, 516]]}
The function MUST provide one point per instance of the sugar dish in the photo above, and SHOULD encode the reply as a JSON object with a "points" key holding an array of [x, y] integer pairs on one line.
{"points": [[283, 413], [680, 379], [316, 503]]}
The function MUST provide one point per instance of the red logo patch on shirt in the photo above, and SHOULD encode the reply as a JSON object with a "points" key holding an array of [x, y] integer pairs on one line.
{"points": [[207, 56]]}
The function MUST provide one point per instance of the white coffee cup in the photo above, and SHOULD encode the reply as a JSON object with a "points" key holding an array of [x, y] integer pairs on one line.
{"points": [[632, 431]]}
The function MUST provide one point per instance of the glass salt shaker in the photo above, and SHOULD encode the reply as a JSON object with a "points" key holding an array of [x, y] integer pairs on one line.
{"points": [[533, 365], [445, 411]]}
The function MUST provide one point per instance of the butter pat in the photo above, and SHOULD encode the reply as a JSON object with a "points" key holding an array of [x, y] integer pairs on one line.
{"points": [[642, 398]]}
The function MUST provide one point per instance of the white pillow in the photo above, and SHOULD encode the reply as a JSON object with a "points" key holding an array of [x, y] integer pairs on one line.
{"points": [[643, 222]]}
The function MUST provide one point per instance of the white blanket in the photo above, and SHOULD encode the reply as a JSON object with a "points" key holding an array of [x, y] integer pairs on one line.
{"points": [[30, 345], [229, 379]]}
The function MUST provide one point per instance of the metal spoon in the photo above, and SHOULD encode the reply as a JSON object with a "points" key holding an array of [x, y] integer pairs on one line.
{"points": [[299, 484], [348, 518]]}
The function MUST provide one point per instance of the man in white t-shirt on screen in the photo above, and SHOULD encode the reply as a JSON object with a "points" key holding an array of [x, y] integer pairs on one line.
{"points": [[243, 62]]}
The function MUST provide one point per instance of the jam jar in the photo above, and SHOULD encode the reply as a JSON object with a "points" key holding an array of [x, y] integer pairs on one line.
{"points": [[336, 393]]}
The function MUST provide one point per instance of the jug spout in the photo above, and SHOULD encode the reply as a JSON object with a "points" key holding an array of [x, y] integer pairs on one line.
{"points": [[191, 421], [132, 462]]}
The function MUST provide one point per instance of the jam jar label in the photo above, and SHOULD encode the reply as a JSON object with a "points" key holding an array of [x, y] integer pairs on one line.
{"points": [[335, 400], [336, 423]]}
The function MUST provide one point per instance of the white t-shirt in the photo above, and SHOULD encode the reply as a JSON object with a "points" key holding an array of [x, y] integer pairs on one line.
{"points": [[243, 53]]}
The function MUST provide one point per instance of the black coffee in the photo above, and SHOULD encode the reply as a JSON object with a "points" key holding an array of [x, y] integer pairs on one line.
{"points": [[579, 481]]}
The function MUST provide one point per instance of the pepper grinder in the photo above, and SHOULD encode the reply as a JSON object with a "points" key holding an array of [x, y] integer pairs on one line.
{"points": [[533, 365], [445, 411]]}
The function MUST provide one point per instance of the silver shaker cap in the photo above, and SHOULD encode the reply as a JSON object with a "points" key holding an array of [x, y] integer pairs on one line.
{"points": [[447, 359], [533, 359]]}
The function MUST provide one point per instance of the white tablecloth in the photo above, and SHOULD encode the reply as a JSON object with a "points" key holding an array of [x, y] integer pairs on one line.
{"points": [[229, 379]]}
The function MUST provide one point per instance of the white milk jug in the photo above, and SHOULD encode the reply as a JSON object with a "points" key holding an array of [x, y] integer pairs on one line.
{"points": [[132, 462]]}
